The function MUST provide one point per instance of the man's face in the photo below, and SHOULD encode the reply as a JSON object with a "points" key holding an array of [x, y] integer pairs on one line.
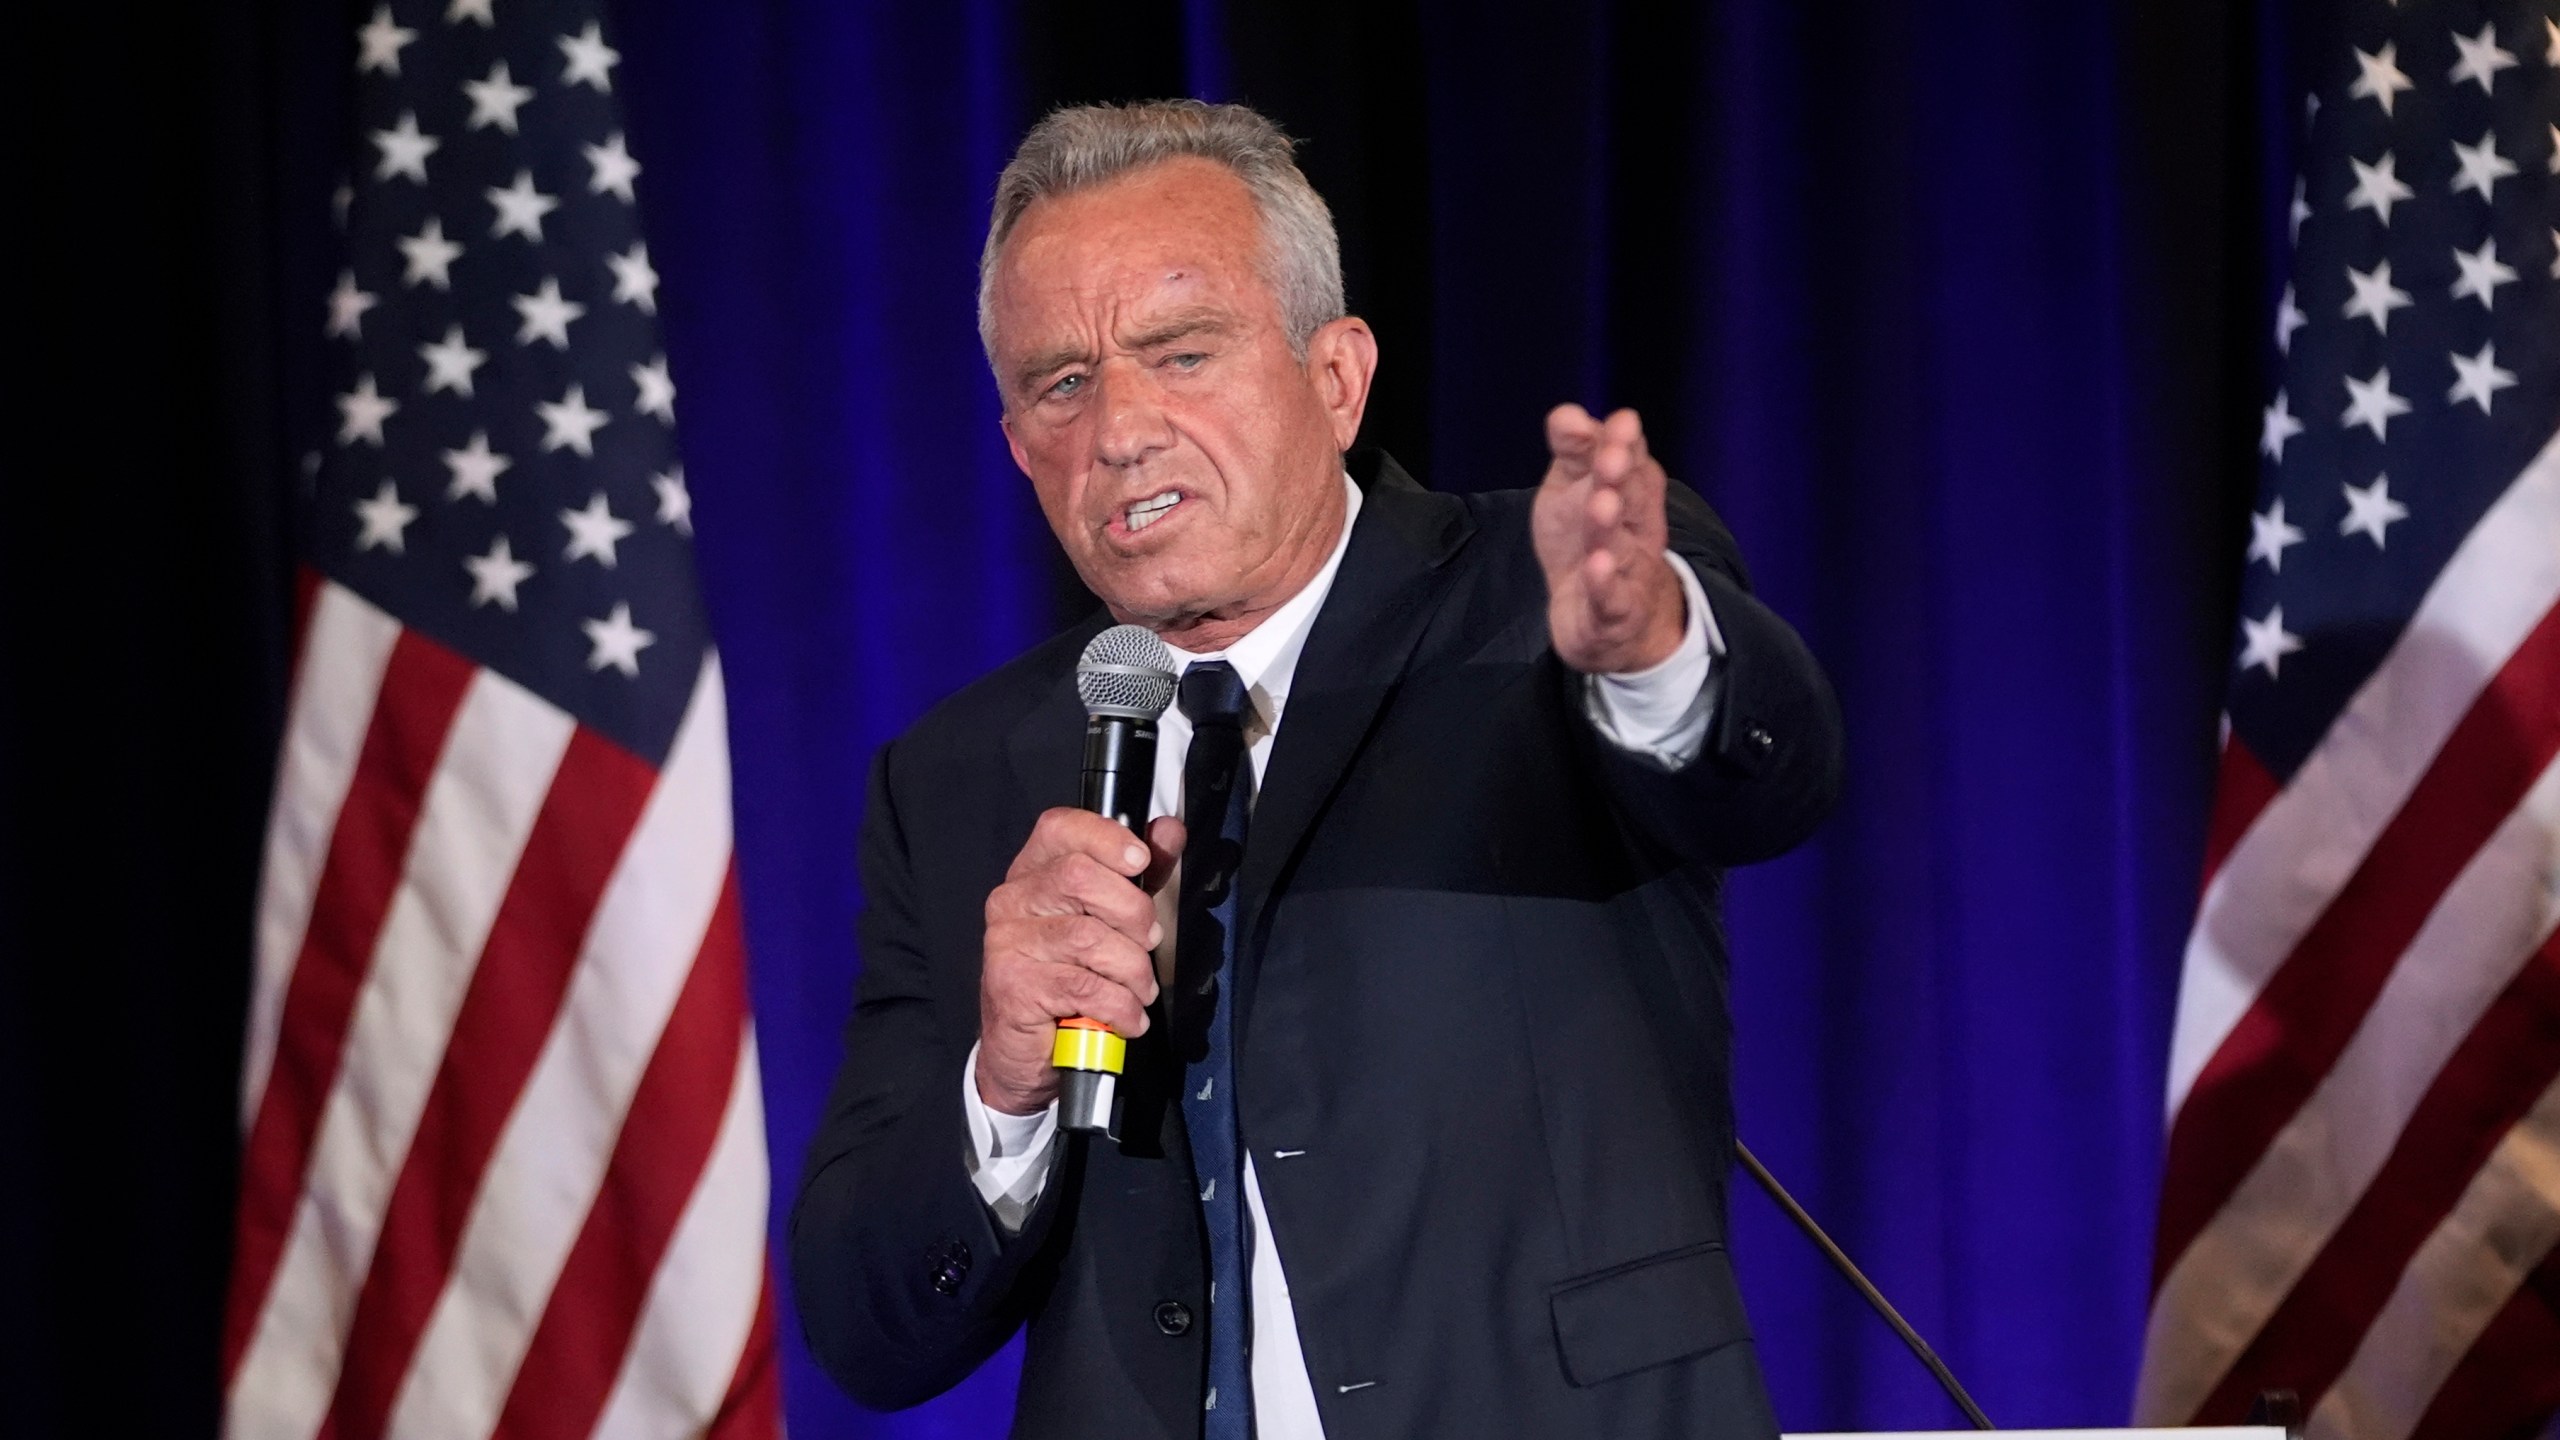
{"points": [[1188, 461]]}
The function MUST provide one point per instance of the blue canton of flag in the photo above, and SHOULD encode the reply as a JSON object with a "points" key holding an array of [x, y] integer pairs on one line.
{"points": [[2418, 350], [504, 475], [2358, 1203], [503, 1168]]}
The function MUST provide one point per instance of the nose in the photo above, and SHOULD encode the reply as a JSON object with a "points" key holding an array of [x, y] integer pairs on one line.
{"points": [[1133, 424]]}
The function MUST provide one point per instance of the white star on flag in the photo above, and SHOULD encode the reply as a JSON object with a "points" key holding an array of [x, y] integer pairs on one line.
{"points": [[657, 390], [494, 101], [2477, 377], [2371, 510], [2301, 209], [404, 150], [2289, 318], [2270, 536], [347, 305], [378, 43], [485, 567], [570, 422], [594, 531], [635, 282], [2371, 404], [496, 575], [675, 503], [591, 61], [617, 641], [2268, 642], [2481, 60], [546, 315], [2481, 165], [2345, 1101], [520, 208], [613, 168], [430, 256], [362, 411], [2381, 80], [476, 469], [2482, 273], [2276, 426], [385, 520], [450, 362], [2378, 187], [2376, 297]]}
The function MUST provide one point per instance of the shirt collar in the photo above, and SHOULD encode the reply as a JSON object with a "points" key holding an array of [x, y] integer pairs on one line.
{"points": [[1266, 659]]}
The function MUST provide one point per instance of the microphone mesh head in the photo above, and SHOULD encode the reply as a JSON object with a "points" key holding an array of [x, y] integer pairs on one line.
{"points": [[1125, 671]]}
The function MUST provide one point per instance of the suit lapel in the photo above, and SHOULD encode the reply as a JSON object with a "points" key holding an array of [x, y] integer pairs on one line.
{"points": [[1047, 747], [1383, 597]]}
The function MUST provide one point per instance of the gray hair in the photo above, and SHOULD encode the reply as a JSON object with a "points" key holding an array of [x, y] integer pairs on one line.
{"points": [[1088, 145]]}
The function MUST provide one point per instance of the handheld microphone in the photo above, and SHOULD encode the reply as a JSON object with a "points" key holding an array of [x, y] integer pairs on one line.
{"points": [[1126, 680]]}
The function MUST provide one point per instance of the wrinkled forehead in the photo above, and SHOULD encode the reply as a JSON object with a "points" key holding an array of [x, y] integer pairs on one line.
{"points": [[1180, 236]]}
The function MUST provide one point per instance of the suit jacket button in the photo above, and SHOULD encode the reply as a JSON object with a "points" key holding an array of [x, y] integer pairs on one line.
{"points": [[949, 1262], [1758, 738], [1173, 1317]]}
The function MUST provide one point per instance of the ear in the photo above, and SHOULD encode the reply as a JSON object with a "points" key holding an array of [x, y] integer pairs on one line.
{"points": [[1342, 358], [1013, 443]]}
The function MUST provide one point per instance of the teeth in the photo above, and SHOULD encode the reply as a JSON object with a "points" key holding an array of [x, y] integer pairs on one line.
{"points": [[1146, 512]]}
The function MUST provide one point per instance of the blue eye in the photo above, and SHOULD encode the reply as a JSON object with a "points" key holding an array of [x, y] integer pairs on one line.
{"points": [[1187, 360], [1066, 385]]}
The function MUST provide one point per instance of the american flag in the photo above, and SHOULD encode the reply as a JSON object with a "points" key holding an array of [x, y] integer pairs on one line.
{"points": [[504, 1170], [2363, 1178]]}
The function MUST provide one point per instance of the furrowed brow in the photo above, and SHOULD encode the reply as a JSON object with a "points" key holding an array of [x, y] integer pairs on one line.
{"points": [[1046, 363], [1178, 326]]}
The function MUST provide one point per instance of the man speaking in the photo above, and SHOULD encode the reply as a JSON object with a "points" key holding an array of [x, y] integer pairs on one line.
{"points": [[1427, 1111]]}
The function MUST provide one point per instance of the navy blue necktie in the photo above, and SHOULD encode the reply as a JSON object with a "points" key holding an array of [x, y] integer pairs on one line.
{"points": [[1217, 798]]}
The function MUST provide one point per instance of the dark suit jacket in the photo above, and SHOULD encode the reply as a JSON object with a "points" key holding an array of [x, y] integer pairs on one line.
{"points": [[1483, 1054]]}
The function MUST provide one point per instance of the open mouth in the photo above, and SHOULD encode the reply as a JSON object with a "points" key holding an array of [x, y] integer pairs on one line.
{"points": [[1148, 511]]}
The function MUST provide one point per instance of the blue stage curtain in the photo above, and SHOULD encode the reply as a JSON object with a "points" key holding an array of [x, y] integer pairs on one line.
{"points": [[1933, 300]]}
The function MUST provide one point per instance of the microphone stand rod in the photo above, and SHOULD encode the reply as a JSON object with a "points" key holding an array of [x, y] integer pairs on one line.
{"points": [[1841, 1262]]}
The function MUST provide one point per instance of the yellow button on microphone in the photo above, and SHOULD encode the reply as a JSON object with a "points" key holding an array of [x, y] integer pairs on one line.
{"points": [[1087, 1045]]}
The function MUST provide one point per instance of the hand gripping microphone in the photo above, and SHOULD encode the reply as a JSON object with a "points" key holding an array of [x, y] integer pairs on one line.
{"points": [[1126, 680]]}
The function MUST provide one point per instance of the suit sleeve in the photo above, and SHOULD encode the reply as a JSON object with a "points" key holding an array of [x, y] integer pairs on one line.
{"points": [[1770, 767], [904, 1283]]}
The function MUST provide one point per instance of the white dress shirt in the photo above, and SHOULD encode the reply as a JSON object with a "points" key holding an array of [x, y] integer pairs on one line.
{"points": [[1660, 713]]}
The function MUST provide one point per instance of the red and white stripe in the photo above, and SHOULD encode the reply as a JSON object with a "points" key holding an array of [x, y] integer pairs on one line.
{"points": [[2363, 1170], [505, 1168]]}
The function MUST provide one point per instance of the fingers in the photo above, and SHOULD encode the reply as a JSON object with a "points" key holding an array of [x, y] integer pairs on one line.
{"points": [[1623, 511], [1572, 437], [1074, 884], [1062, 832], [1067, 933], [1613, 584], [1047, 967], [1620, 457], [1571, 428]]}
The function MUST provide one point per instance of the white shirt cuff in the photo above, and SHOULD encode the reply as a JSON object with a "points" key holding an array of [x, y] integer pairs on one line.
{"points": [[1009, 1155], [1662, 713]]}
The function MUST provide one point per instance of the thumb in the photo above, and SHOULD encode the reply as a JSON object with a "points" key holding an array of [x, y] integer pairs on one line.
{"points": [[1165, 837]]}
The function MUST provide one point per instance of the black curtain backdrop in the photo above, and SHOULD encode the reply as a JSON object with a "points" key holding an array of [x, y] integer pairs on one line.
{"points": [[1954, 310]]}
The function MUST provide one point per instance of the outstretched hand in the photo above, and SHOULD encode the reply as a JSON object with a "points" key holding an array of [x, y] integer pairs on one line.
{"points": [[1613, 604]]}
